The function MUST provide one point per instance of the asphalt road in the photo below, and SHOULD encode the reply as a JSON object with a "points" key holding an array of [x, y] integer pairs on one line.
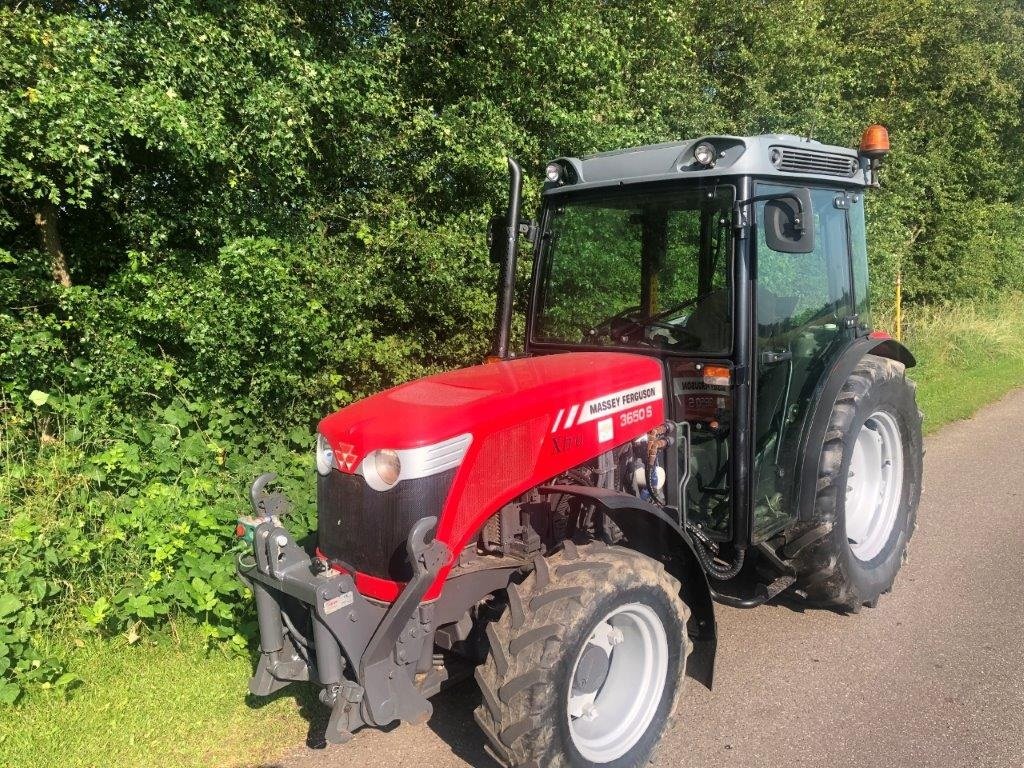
{"points": [[934, 676]]}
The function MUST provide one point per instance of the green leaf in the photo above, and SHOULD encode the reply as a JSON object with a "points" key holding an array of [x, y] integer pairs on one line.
{"points": [[9, 692], [66, 679], [38, 398], [8, 605]]}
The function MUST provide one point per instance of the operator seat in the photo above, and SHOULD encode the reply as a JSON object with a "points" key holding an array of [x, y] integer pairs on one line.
{"points": [[710, 323]]}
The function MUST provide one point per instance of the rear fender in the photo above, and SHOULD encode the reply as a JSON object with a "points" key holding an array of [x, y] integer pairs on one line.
{"points": [[887, 346], [654, 532], [877, 343]]}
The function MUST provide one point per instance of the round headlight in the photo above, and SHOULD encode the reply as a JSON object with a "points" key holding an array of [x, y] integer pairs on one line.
{"points": [[324, 456], [553, 173], [704, 153], [388, 466]]}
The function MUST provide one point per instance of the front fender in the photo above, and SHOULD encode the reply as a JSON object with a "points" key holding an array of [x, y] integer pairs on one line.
{"points": [[626, 510]]}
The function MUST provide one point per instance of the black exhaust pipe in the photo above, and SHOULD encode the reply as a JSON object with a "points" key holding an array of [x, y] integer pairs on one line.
{"points": [[507, 279]]}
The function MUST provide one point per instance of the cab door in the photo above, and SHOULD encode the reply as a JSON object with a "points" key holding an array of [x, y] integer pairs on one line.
{"points": [[805, 319]]}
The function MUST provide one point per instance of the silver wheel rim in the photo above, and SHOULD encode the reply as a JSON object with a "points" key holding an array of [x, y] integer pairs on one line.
{"points": [[874, 485], [617, 682]]}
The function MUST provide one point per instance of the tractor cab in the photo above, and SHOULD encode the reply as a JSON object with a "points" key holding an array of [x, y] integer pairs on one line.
{"points": [[741, 264]]}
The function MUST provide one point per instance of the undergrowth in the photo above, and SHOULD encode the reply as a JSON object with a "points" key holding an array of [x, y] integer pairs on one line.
{"points": [[968, 355], [115, 536]]}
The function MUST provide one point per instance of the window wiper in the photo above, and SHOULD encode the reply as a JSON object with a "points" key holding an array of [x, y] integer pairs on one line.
{"points": [[658, 317]]}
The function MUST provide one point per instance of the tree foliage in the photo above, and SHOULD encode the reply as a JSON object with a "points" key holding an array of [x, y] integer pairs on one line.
{"points": [[252, 213]]}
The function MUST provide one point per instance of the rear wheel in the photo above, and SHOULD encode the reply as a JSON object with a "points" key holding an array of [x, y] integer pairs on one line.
{"points": [[869, 485], [586, 665]]}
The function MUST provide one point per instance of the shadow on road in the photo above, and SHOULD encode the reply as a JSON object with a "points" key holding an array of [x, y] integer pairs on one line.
{"points": [[453, 722]]}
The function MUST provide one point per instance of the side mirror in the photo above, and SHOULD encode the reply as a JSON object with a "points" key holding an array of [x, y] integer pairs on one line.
{"points": [[496, 240], [789, 222]]}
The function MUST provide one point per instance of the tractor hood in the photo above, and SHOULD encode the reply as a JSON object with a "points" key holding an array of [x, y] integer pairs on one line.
{"points": [[573, 388], [469, 441]]}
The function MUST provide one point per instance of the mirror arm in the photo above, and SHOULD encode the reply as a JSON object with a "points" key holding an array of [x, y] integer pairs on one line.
{"points": [[740, 206]]}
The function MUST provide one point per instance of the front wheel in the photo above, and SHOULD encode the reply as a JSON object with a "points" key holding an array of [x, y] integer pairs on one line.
{"points": [[586, 665], [869, 485]]}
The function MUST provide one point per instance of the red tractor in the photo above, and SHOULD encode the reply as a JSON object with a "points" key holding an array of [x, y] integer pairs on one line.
{"points": [[703, 413]]}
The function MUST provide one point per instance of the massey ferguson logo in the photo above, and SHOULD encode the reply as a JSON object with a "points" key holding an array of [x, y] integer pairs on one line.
{"points": [[347, 456], [606, 405]]}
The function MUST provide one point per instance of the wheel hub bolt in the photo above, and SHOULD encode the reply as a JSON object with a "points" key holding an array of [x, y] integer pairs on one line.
{"points": [[589, 713], [615, 636]]}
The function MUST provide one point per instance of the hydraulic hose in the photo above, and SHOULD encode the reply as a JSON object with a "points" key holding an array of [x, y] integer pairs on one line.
{"points": [[297, 636], [652, 475], [716, 571]]}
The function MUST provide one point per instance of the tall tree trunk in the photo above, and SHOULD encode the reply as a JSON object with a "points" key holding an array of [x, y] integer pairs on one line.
{"points": [[49, 238]]}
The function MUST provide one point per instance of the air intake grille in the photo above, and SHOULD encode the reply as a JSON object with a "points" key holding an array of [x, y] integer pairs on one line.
{"points": [[813, 161], [365, 530]]}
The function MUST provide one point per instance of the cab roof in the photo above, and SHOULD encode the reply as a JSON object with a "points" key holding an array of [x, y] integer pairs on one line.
{"points": [[771, 155]]}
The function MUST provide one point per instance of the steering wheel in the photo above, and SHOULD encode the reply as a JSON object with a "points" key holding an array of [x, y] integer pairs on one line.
{"points": [[656, 321], [632, 328], [685, 338], [607, 325]]}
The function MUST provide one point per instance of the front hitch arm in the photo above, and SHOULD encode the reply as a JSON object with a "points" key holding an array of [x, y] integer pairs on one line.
{"points": [[264, 504], [394, 696]]}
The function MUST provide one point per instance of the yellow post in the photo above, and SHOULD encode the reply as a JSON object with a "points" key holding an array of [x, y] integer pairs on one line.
{"points": [[899, 304]]}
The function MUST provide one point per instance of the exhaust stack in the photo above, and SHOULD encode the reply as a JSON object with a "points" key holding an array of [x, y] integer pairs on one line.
{"points": [[507, 278]]}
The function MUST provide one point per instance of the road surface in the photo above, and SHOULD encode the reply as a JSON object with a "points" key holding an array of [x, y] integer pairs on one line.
{"points": [[934, 676]]}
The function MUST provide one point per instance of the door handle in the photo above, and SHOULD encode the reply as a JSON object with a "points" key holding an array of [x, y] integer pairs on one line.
{"points": [[771, 357]]}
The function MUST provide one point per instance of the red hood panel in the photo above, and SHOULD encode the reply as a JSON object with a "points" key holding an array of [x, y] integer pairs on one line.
{"points": [[482, 399]]}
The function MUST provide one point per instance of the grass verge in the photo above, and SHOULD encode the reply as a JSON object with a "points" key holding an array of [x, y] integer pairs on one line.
{"points": [[171, 703], [967, 357], [167, 703]]}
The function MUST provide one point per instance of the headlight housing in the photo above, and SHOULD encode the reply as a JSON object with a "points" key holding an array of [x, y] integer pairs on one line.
{"points": [[385, 468], [325, 461], [705, 154], [382, 468]]}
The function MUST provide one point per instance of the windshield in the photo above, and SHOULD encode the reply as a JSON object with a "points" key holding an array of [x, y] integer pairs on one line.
{"points": [[638, 270]]}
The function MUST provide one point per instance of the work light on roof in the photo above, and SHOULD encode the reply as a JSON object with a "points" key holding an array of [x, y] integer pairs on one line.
{"points": [[553, 173], [704, 154]]}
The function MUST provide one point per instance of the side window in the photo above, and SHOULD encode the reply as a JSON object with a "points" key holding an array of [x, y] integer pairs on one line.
{"points": [[805, 289], [859, 247]]}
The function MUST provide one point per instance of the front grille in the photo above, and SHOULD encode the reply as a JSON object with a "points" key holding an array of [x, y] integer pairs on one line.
{"points": [[365, 530], [813, 161]]}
